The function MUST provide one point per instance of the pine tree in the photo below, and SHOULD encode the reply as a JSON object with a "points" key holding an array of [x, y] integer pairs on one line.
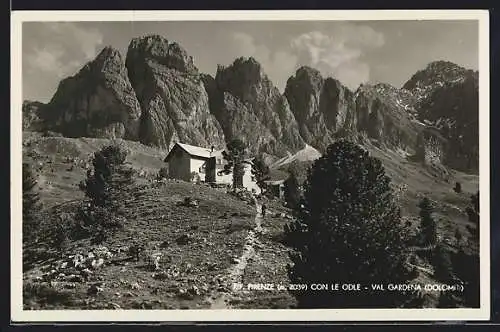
{"points": [[467, 269], [446, 300], [350, 231], [261, 172], [443, 269], [107, 188], [291, 190], [473, 214], [106, 183], [31, 203], [427, 223], [458, 238], [235, 155], [466, 265]]}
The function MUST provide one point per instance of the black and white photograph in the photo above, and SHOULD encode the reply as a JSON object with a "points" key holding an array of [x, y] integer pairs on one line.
{"points": [[201, 167]]}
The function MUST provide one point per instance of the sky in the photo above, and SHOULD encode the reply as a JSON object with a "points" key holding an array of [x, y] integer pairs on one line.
{"points": [[354, 52]]}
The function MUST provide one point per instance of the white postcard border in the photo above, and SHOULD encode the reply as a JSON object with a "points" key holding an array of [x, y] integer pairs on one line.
{"points": [[20, 315]]}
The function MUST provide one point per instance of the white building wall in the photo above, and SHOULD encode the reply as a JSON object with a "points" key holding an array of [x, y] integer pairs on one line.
{"points": [[195, 166], [248, 181], [224, 178]]}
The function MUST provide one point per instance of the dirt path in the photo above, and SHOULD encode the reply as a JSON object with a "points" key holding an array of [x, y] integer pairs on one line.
{"points": [[235, 273]]}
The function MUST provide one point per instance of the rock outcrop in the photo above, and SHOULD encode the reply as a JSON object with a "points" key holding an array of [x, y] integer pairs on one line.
{"points": [[246, 80], [32, 118], [448, 100], [158, 97], [172, 96], [96, 102], [386, 114], [238, 121], [324, 108]]}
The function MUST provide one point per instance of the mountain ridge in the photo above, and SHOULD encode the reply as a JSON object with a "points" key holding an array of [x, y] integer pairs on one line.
{"points": [[156, 95]]}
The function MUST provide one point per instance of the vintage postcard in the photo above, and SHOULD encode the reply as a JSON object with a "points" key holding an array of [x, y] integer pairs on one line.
{"points": [[250, 166]]}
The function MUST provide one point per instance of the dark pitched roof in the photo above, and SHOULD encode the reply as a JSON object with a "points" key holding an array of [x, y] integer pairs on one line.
{"points": [[195, 151]]}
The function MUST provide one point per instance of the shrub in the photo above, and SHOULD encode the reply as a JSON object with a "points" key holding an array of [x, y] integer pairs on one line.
{"points": [[443, 270], [458, 238], [195, 177], [61, 236], [458, 187], [352, 232], [163, 173], [473, 214], [466, 267], [291, 191], [31, 204], [446, 300], [45, 294], [427, 223]]}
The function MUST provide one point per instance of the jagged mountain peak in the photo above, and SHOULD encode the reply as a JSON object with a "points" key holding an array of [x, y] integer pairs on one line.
{"points": [[437, 73], [160, 50], [156, 95], [245, 84], [98, 101], [244, 78], [108, 52], [306, 74]]}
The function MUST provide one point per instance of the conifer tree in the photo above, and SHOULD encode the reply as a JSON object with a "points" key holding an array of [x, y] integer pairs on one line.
{"points": [[291, 190], [235, 155], [349, 231], [106, 186], [427, 223], [31, 203], [261, 172]]}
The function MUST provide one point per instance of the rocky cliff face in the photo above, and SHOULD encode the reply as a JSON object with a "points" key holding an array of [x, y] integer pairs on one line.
{"points": [[242, 96], [327, 110], [323, 108], [96, 102], [448, 100], [32, 119], [386, 114], [172, 96], [157, 96], [238, 121]]}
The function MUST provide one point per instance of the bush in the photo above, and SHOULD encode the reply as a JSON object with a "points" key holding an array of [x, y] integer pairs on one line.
{"points": [[446, 300], [291, 191], [350, 232], [473, 214], [427, 223], [441, 259], [458, 187], [44, 294], [467, 269], [163, 173], [31, 204], [61, 236]]}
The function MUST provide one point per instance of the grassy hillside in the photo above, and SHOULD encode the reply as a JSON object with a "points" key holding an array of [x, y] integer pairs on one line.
{"points": [[198, 245], [412, 181]]}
